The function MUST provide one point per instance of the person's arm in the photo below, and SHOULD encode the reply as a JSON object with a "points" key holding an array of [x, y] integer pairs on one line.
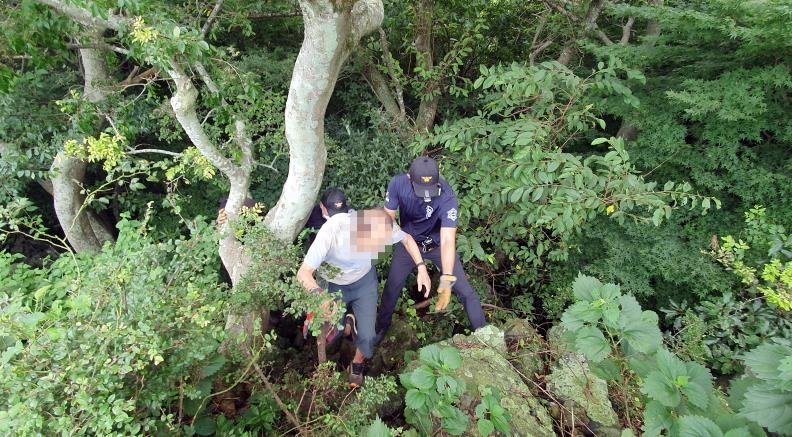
{"points": [[423, 274], [448, 229], [314, 258], [391, 213], [447, 250], [305, 275]]}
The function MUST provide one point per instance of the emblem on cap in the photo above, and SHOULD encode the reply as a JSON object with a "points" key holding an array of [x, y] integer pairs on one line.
{"points": [[338, 205], [426, 179]]}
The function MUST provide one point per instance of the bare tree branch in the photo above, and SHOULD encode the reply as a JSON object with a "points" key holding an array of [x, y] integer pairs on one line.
{"points": [[212, 17], [653, 28], [589, 25], [602, 37], [379, 84], [134, 78], [423, 45], [392, 72], [538, 50], [539, 29], [105, 46], [265, 15], [627, 31], [183, 103], [159, 151], [199, 67], [85, 17]]}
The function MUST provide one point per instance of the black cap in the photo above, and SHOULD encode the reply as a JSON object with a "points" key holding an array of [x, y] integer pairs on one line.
{"points": [[335, 201], [425, 177]]}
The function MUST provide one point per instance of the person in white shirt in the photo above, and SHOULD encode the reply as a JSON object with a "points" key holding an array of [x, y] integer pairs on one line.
{"points": [[343, 253]]}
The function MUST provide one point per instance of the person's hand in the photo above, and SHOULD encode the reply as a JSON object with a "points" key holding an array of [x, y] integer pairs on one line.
{"points": [[424, 282], [444, 291], [221, 217]]}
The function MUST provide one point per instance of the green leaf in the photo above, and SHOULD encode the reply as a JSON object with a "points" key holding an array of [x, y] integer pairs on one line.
{"points": [[406, 380], [377, 428], [657, 387], [578, 314], [423, 378], [215, 364], [656, 419], [770, 408], [699, 385], [501, 422], [431, 355], [205, 426], [737, 390], [447, 385], [764, 361], [450, 357], [415, 399], [606, 369], [485, 427], [584, 286], [598, 141], [638, 328], [537, 194], [454, 421], [697, 426], [592, 343]]}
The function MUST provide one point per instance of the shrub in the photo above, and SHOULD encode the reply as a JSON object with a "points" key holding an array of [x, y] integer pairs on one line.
{"points": [[123, 336]]}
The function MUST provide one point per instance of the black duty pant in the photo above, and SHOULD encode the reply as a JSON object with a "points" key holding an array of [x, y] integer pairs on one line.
{"points": [[400, 268]]}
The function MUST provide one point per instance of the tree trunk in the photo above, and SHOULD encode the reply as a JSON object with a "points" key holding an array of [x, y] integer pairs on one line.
{"points": [[588, 26], [237, 260], [83, 230], [627, 130], [332, 30], [381, 87], [423, 45]]}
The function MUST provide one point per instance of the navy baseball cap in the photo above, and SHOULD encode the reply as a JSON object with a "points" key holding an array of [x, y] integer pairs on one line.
{"points": [[335, 201], [425, 177]]}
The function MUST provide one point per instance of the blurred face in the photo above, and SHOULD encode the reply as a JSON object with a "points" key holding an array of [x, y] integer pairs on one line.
{"points": [[371, 232]]}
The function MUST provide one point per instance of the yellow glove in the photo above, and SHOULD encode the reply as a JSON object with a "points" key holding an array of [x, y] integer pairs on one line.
{"points": [[444, 291]]}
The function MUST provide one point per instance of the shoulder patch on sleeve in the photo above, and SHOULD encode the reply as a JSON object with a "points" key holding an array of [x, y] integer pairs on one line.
{"points": [[452, 214]]}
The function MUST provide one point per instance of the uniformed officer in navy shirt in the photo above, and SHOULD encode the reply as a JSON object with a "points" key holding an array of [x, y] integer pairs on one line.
{"points": [[428, 211]]}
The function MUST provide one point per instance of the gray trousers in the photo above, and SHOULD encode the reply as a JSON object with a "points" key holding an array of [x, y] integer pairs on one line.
{"points": [[400, 268], [361, 296]]}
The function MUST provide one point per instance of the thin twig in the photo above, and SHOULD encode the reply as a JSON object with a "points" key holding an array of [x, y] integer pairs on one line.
{"points": [[289, 415]]}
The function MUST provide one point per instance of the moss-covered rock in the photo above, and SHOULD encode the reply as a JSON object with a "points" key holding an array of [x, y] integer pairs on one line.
{"points": [[389, 354], [526, 347], [572, 382], [485, 363]]}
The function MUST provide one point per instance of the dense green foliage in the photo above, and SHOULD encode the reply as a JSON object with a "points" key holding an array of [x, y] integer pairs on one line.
{"points": [[625, 345], [109, 344], [631, 141]]}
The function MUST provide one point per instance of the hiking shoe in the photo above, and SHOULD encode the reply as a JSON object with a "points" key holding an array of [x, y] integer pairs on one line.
{"points": [[350, 326], [356, 375]]}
